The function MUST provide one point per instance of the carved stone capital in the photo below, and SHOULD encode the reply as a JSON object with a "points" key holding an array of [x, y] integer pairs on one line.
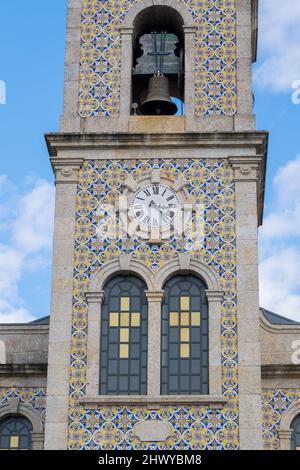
{"points": [[94, 297], [155, 296], [214, 296], [66, 171], [246, 169]]}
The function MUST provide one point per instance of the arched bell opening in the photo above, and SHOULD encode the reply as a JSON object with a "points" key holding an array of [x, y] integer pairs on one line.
{"points": [[158, 62]]}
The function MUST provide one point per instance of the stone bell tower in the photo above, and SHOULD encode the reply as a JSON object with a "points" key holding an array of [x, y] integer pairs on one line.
{"points": [[154, 330]]}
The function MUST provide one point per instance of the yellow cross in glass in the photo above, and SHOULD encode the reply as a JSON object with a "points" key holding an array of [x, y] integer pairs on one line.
{"points": [[185, 319], [124, 321]]}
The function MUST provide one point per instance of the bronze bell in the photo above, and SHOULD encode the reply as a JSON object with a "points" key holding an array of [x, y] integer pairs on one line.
{"points": [[158, 101]]}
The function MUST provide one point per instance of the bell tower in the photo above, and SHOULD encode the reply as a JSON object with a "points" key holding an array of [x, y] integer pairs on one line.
{"points": [[159, 174]]}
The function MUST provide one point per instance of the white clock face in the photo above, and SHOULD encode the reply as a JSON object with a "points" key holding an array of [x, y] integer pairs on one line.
{"points": [[155, 206]]}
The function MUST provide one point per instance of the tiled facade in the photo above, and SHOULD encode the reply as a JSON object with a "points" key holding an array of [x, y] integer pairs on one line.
{"points": [[100, 183]]}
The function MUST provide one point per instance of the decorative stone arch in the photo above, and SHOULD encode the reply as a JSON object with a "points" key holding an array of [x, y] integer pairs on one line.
{"points": [[124, 264], [127, 32], [174, 4], [185, 264], [285, 431], [15, 408]]}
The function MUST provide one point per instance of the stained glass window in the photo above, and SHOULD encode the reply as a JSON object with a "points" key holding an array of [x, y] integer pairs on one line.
{"points": [[184, 337], [124, 337]]}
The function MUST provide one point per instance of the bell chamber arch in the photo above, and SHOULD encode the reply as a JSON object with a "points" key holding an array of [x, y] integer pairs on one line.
{"points": [[124, 328], [158, 62], [184, 361]]}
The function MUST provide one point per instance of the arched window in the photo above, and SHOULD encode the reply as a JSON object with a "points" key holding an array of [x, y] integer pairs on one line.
{"points": [[15, 433], [124, 337], [158, 52], [185, 337], [296, 433]]}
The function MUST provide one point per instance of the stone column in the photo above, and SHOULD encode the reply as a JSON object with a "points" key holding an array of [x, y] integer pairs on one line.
{"points": [[37, 440], [155, 299], [250, 407], [56, 428], [285, 440], [126, 76], [214, 299], [93, 346], [189, 85]]}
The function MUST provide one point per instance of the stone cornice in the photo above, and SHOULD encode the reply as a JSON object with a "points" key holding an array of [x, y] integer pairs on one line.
{"points": [[80, 141], [275, 371], [23, 369]]}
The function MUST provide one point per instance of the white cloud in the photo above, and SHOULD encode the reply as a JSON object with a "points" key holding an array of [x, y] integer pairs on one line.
{"points": [[279, 45], [280, 248], [27, 226]]}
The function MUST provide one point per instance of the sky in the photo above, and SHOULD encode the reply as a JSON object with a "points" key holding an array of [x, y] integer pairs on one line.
{"points": [[31, 67]]}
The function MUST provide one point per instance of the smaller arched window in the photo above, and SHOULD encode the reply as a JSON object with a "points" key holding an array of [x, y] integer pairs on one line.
{"points": [[15, 433], [185, 337], [124, 337], [296, 433]]}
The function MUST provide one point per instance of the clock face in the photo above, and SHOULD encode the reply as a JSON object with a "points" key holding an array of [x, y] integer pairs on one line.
{"points": [[155, 206]]}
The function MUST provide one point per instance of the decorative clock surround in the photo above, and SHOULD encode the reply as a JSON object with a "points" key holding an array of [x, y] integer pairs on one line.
{"points": [[156, 207]]}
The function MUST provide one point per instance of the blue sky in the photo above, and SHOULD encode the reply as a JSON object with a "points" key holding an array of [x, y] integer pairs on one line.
{"points": [[31, 65]]}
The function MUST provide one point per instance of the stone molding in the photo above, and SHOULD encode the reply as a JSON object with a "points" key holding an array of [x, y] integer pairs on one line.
{"points": [[278, 329], [153, 402], [76, 141]]}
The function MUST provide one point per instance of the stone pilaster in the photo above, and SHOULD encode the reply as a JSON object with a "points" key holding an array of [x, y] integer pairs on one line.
{"points": [[155, 299], [56, 428], [246, 172], [95, 301]]}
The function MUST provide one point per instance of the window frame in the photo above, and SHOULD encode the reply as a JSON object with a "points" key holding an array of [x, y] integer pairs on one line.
{"points": [[183, 284], [16, 420], [182, 264], [111, 342]]}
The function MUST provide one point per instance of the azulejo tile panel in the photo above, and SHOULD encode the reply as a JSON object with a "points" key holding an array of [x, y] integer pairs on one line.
{"points": [[31, 396], [215, 56], [274, 404], [100, 182]]}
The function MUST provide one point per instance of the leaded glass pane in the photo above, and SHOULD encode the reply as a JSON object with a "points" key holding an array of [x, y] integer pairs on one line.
{"points": [[124, 337], [184, 337]]}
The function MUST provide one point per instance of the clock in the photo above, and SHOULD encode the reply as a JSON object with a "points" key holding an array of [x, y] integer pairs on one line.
{"points": [[155, 206]]}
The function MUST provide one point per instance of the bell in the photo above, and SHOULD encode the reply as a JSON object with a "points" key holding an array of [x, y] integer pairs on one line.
{"points": [[158, 101]]}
